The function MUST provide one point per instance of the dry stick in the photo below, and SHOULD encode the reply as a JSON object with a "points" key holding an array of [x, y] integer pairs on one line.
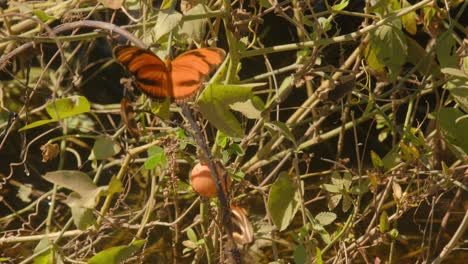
{"points": [[226, 220]]}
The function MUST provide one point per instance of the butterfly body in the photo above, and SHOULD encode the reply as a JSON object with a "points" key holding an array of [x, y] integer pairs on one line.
{"points": [[178, 79]]}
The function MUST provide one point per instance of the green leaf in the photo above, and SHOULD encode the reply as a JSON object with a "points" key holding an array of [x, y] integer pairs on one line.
{"points": [[104, 148], [376, 160], [36, 124], [283, 129], [191, 235], [214, 104], [45, 257], [389, 45], [43, 16], [347, 202], [156, 157], [115, 255], [283, 201], [333, 201], [195, 30], [337, 180], [115, 186], [454, 132], [162, 108], [62, 108], [347, 180], [391, 159], [446, 50], [66, 107], [252, 108], [410, 20], [325, 218], [166, 22], [82, 217], [300, 255], [331, 188], [318, 255], [341, 5], [384, 225], [76, 181], [85, 192]]}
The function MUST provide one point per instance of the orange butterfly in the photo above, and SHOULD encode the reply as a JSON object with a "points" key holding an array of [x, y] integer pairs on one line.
{"points": [[178, 79]]}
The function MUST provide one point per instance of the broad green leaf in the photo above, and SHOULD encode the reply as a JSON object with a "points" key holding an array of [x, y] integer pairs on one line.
{"points": [[191, 235], [251, 108], [85, 192], [87, 200], [214, 104], [419, 57], [446, 50], [166, 22], [333, 201], [162, 108], [300, 255], [43, 16], [331, 188], [62, 108], [115, 186], [104, 148], [337, 180], [47, 256], [347, 202], [195, 29], [283, 201], [82, 217], [454, 132], [325, 218], [156, 157], [389, 44], [347, 180], [283, 129], [376, 160], [372, 60], [391, 159], [360, 188], [341, 5], [410, 20], [66, 107], [384, 225], [76, 181], [115, 255]]}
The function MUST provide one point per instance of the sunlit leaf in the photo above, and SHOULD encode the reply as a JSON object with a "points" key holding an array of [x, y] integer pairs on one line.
{"points": [[384, 225], [104, 148], [156, 157], [82, 217], [116, 255], [283, 201], [325, 218], [446, 50], [195, 29], [300, 254], [166, 22]]}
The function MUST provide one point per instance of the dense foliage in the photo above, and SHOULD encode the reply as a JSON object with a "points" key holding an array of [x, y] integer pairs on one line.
{"points": [[342, 125]]}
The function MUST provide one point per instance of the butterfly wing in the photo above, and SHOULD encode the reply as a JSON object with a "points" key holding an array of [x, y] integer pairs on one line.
{"points": [[151, 73], [189, 70]]}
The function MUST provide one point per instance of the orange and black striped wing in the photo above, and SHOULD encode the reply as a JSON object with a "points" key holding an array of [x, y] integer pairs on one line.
{"points": [[151, 74], [189, 70]]}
